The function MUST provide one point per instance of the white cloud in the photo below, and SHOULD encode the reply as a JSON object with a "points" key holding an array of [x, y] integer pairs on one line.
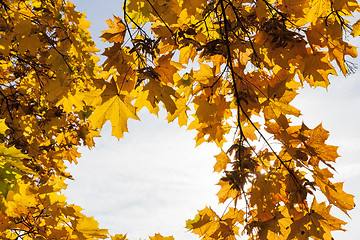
{"points": [[151, 181]]}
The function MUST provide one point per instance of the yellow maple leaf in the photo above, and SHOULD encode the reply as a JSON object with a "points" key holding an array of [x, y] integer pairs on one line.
{"points": [[138, 11], [328, 222], [356, 29], [226, 191], [117, 31], [166, 68], [187, 53], [119, 237], [158, 236], [159, 92], [316, 145], [222, 160], [3, 126], [205, 110], [142, 101], [316, 69], [336, 195], [11, 152], [180, 112], [317, 9], [249, 131], [115, 110], [203, 222], [89, 227]]}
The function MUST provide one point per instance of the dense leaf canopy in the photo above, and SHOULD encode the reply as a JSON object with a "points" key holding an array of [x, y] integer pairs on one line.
{"points": [[227, 69]]}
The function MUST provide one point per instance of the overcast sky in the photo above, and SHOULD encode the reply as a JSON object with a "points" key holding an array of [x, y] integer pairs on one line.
{"points": [[154, 179]]}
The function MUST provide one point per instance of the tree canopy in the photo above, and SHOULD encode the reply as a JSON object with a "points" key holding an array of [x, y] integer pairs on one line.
{"points": [[227, 69]]}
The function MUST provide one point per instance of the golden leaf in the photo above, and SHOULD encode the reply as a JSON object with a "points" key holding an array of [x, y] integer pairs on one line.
{"points": [[226, 191], [187, 53], [159, 92], [356, 29], [158, 236], [119, 237], [3, 126], [89, 227], [116, 32], [222, 160], [115, 110]]}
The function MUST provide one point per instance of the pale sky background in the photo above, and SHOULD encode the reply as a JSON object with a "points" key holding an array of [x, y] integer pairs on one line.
{"points": [[154, 179]]}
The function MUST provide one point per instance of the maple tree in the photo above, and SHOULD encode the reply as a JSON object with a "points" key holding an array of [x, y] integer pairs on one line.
{"points": [[215, 66]]}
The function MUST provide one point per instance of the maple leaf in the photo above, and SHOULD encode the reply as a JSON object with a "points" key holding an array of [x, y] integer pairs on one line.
{"points": [[356, 29], [3, 126], [187, 53], [336, 195], [158, 236], [180, 112], [204, 109], [226, 191], [328, 222], [203, 223], [115, 110], [316, 69], [116, 32], [316, 144], [317, 9], [249, 131], [159, 92], [119, 237], [87, 227], [166, 68], [221, 161]]}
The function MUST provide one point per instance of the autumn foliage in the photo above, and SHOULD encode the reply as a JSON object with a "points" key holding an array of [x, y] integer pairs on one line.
{"points": [[222, 68]]}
